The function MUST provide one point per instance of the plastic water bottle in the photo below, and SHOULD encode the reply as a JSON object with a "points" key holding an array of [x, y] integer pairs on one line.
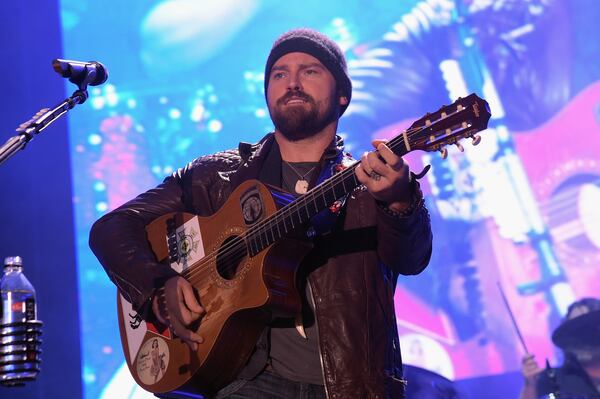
{"points": [[19, 328], [18, 295]]}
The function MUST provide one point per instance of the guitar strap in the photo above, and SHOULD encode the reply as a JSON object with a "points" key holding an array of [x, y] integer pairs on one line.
{"points": [[267, 169], [323, 222], [332, 162]]}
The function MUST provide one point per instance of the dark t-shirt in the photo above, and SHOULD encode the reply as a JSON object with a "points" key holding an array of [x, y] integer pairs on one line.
{"points": [[292, 356]]}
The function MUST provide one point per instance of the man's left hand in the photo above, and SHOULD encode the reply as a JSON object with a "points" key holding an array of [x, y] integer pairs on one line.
{"points": [[386, 176]]}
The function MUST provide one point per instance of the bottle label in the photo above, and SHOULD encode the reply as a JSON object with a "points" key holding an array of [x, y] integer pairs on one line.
{"points": [[17, 306], [30, 309]]}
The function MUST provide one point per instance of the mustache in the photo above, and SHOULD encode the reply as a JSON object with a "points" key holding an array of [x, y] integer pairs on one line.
{"points": [[294, 94]]}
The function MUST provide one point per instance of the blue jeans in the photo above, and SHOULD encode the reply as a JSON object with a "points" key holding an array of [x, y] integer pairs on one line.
{"points": [[270, 386]]}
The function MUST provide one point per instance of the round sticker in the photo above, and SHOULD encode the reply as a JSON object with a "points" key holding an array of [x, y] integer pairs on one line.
{"points": [[251, 209], [152, 361]]}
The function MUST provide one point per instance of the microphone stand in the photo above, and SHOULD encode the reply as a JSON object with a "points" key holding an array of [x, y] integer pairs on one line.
{"points": [[41, 120]]}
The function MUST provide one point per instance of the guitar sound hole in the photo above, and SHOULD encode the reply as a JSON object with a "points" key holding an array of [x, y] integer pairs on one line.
{"points": [[231, 254]]}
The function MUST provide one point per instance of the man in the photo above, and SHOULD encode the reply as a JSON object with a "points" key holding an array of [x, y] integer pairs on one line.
{"points": [[579, 376], [348, 345]]}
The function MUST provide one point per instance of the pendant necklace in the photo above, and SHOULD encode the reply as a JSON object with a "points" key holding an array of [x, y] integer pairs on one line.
{"points": [[302, 184]]}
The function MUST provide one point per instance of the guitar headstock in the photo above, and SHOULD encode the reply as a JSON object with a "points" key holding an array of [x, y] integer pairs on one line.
{"points": [[451, 123]]}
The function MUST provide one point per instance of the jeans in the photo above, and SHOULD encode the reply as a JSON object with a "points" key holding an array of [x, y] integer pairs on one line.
{"points": [[270, 386]]}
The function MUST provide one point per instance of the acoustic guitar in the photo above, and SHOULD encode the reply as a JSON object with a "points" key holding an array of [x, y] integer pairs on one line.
{"points": [[243, 264]]}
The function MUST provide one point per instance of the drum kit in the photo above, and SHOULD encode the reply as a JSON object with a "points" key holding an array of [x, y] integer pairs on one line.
{"points": [[425, 384], [582, 331]]}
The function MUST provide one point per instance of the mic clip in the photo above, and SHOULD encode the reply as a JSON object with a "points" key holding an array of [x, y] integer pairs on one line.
{"points": [[81, 73]]}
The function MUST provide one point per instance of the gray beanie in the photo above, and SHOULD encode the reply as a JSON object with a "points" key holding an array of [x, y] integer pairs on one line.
{"points": [[318, 45]]}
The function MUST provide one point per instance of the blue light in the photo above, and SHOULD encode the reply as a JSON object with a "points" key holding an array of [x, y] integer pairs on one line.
{"points": [[215, 126], [112, 98], [174, 113], [98, 102], [197, 112], [94, 139], [99, 186], [101, 206], [89, 376], [337, 22]]}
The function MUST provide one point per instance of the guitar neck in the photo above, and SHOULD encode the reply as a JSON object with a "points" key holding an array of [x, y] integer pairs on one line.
{"points": [[465, 117], [310, 204]]}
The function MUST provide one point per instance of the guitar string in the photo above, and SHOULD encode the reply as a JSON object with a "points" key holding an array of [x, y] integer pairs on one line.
{"points": [[240, 245], [393, 142], [243, 243]]}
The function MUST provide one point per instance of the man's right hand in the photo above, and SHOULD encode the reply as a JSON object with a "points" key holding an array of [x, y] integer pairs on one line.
{"points": [[530, 369], [176, 306]]}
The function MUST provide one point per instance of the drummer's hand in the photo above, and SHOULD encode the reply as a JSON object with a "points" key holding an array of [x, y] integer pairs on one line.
{"points": [[176, 306], [530, 369]]}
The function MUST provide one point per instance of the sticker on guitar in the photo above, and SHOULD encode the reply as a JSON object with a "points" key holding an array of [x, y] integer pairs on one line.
{"points": [[188, 248], [152, 361], [252, 207]]}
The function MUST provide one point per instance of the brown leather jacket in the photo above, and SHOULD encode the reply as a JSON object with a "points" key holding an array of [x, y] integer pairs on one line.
{"points": [[354, 276]]}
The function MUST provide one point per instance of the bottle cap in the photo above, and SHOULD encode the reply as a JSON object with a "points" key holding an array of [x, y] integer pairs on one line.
{"points": [[13, 261]]}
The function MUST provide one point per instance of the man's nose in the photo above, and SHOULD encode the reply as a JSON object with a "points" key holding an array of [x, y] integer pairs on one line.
{"points": [[294, 83]]}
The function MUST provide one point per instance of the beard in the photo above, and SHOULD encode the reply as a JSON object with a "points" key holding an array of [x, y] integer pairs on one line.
{"points": [[297, 122]]}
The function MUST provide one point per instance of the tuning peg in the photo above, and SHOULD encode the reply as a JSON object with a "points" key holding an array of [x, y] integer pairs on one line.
{"points": [[460, 147], [476, 139], [444, 152]]}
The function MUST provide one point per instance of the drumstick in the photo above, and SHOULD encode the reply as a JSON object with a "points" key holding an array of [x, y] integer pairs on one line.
{"points": [[512, 317]]}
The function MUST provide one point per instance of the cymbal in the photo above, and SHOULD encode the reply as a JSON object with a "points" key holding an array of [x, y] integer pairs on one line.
{"points": [[580, 331], [425, 384]]}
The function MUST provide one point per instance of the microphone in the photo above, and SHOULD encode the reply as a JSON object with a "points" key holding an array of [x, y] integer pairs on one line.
{"points": [[81, 73]]}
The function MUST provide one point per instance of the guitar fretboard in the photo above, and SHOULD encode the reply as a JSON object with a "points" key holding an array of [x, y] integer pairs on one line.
{"points": [[297, 213]]}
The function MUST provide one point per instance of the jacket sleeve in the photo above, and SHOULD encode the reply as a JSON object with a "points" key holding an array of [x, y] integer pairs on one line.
{"points": [[118, 240], [404, 243]]}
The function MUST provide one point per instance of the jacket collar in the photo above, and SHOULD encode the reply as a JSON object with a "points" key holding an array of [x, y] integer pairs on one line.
{"points": [[266, 152]]}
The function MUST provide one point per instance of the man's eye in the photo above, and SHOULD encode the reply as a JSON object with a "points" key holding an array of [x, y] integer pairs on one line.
{"points": [[311, 72], [277, 75]]}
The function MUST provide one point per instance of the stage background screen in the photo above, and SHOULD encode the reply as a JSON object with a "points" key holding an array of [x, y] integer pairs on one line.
{"points": [[519, 211]]}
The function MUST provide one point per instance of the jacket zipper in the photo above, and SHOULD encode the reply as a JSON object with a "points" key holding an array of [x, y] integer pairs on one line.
{"points": [[318, 338]]}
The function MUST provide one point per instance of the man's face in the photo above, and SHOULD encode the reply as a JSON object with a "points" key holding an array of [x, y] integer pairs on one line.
{"points": [[585, 354], [302, 96]]}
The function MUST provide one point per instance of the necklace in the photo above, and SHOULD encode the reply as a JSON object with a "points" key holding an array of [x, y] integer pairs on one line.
{"points": [[302, 184]]}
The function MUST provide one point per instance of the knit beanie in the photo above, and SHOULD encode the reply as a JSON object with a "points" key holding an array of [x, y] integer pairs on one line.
{"points": [[318, 45]]}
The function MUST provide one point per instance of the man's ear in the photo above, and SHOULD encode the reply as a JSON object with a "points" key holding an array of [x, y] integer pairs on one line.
{"points": [[343, 100]]}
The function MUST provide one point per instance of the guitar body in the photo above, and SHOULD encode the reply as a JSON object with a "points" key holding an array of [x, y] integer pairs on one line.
{"points": [[239, 297]]}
